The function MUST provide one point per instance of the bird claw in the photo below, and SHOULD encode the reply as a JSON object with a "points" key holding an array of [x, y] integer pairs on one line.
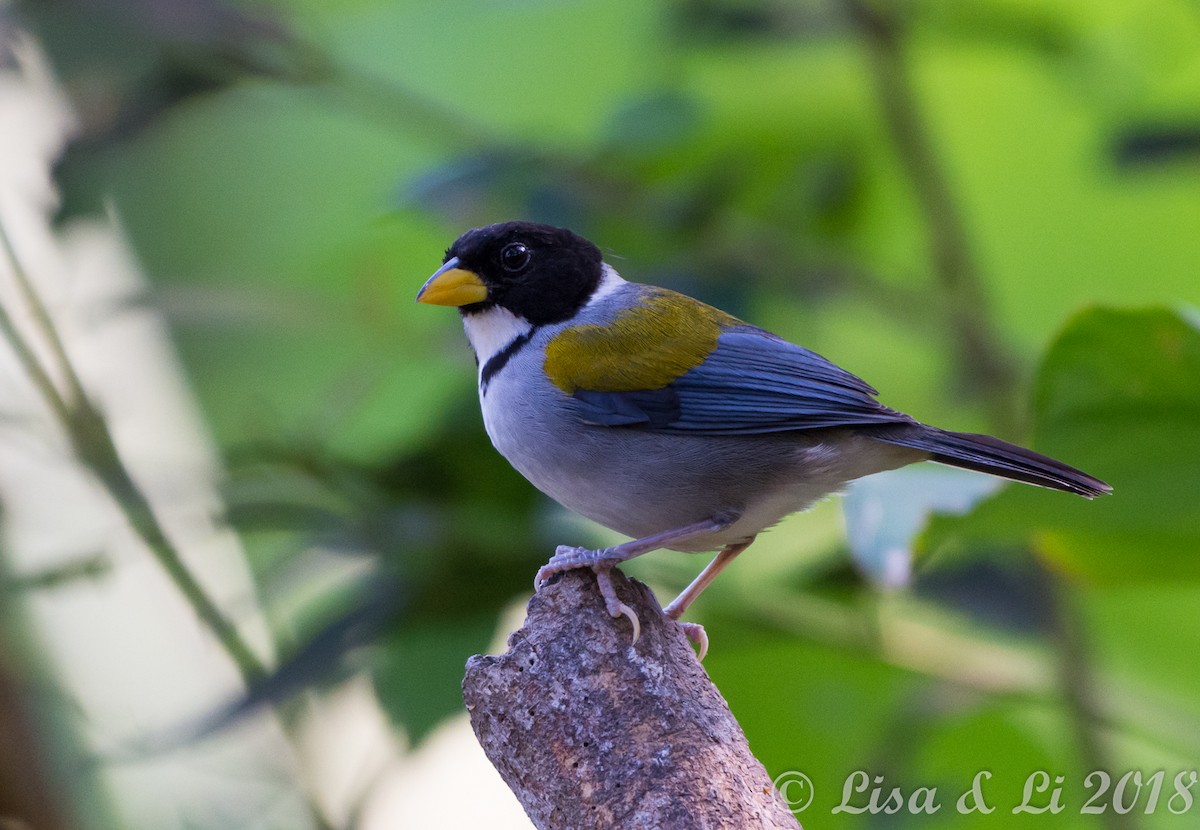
{"points": [[615, 607], [568, 558], [543, 576], [698, 636]]}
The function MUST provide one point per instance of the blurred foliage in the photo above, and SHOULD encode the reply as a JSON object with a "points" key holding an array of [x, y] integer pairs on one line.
{"points": [[39, 748], [921, 190], [1118, 391]]}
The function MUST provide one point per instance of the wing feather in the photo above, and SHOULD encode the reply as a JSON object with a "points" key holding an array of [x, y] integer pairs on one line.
{"points": [[753, 382]]}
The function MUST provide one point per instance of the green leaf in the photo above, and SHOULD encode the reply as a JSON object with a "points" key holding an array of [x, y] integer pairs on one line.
{"points": [[1118, 395], [418, 669]]}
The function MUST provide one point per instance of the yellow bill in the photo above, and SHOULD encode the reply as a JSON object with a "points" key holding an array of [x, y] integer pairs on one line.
{"points": [[452, 285]]}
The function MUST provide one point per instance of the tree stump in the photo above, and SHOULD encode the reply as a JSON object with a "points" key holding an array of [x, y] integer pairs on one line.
{"points": [[591, 730]]}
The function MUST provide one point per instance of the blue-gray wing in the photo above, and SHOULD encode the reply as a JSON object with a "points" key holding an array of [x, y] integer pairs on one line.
{"points": [[753, 382]]}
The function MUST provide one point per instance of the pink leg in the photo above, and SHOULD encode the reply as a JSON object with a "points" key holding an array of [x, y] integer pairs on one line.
{"points": [[674, 611], [602, 561]]}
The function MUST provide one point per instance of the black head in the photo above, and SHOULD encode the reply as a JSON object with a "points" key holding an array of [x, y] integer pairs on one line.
{"points": [[541, 273]]}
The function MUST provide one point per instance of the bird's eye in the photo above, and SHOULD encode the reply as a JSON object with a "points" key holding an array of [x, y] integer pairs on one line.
{"points": [[515, 257]]}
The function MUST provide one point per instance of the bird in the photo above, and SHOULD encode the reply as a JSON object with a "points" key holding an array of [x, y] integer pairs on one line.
{"points": [[666, 419]]}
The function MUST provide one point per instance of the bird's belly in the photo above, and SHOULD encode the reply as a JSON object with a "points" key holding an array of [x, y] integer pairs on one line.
{"points": [[638, 482]]}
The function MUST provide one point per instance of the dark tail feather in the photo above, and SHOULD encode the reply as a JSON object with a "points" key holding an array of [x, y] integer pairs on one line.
{"points": [[986, 454]]}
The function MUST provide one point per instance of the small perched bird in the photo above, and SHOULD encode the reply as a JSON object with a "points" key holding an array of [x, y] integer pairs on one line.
{"points": [[669, 420]]}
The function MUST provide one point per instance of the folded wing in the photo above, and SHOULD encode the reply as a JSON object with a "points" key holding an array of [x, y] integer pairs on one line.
{"points": [[753, 382]]}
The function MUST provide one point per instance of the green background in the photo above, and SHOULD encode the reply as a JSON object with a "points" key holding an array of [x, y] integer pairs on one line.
{"points": [[990, 210]]}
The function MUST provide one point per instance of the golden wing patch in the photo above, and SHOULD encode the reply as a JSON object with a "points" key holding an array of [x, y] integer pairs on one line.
{"points": [[644, 347]]}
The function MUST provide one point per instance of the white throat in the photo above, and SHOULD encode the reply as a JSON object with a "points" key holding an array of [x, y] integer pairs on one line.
{"points": [[492, 330]]}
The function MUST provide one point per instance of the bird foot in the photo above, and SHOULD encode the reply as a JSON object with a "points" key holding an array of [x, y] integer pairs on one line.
{"points": [[568, 558]]}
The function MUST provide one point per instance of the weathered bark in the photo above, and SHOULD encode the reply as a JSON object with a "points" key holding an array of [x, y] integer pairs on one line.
{"points": [[591, 730]]}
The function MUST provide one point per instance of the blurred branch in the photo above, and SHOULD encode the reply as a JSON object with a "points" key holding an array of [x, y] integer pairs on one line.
{"points": [[90, 438], [1146, 145], [590, 730], [919, 639], [1078, 685], [29, 795], [396, 106], [919, 643], [322, 658], [24, 352], [987, 366], [28, 798]]}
